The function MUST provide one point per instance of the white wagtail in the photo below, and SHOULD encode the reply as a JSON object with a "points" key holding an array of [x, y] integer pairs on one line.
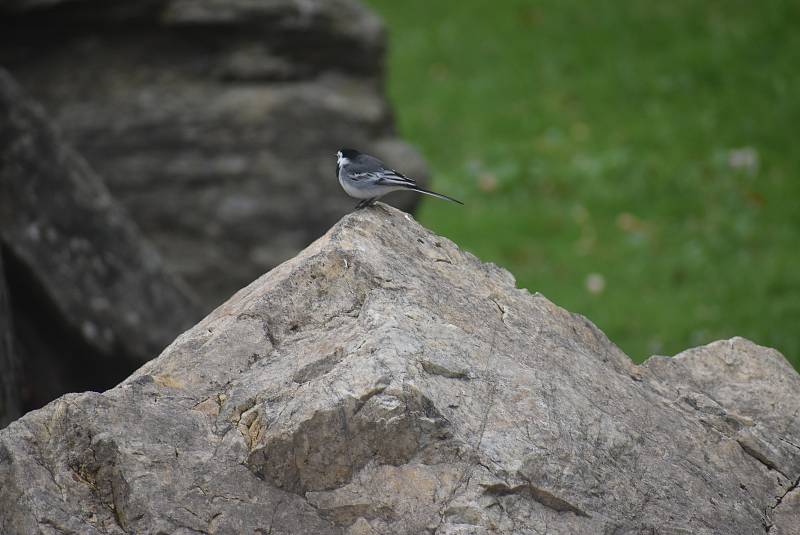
{"points": [[367, 178]]}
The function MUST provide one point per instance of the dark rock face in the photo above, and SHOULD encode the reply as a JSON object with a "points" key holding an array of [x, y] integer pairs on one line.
{"points": [[385, 382], [215, 123], [9, 365], [90, 298]]}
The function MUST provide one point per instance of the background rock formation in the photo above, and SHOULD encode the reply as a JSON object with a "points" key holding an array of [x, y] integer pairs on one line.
{"points": [[215, 123], [9, 365], [383, 381], [90, 299]]}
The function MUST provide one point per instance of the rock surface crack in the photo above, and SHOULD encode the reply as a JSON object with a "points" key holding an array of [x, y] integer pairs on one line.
{"points": [[760, 457], [539, 495]]}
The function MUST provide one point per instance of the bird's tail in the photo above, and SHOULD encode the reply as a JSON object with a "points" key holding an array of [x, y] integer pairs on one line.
{"points": [[434, 194]]}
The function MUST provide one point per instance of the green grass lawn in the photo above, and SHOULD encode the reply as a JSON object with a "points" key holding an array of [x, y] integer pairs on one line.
{"points": [[636, 162]]}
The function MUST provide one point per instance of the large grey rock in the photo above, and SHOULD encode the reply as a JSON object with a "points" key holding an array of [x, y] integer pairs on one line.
{"points": [[215, 122], [384, 381], [90, 297]]}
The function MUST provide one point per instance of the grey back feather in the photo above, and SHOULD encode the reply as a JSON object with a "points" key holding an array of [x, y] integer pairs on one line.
{"points": [[370, 167]]}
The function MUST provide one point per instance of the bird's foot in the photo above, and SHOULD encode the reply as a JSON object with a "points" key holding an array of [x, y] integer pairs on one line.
{"points": [[365, 203]]}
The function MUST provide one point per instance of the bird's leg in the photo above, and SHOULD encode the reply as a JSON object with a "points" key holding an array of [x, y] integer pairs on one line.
{"points": [[365, 202]]}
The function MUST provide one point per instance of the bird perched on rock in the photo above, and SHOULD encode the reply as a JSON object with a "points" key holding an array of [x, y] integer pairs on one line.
{"points": [[367, 178]]}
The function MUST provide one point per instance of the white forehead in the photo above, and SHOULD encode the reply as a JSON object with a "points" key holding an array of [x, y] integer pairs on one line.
{"points": [[341, 160]]}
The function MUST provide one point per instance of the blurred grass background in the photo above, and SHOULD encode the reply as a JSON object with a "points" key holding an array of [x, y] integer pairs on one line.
{"points": [[636, 162]]}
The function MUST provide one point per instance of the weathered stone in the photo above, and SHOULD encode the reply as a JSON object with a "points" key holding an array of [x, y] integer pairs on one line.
{"points": [[215, 122], [384, 381], [90, 298]]}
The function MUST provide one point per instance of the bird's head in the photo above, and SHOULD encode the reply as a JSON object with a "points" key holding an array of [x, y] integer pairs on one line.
{"points": [[345, 156]]}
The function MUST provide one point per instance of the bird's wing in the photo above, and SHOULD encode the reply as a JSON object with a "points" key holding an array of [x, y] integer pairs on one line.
{"points": [[392, 177], [368, 167], [366, 175]]}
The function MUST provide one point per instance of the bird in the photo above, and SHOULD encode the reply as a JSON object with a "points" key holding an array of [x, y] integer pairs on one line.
{"points": [[367, 178]]}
